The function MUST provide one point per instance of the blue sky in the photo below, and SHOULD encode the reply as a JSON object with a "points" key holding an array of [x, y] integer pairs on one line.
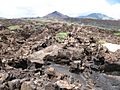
{"points": [[113, 1], [34, 8]]}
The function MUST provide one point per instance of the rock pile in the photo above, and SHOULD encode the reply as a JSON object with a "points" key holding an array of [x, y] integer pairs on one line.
{"points": [[31, 58]]}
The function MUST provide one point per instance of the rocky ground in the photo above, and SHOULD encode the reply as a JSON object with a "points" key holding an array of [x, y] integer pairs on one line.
{"points": [[39, 55]]}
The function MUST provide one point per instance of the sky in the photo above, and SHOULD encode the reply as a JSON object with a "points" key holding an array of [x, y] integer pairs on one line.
{"points": [[73, 8]]}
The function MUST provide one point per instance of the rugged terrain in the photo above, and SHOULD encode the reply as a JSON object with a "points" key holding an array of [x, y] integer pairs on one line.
{"points": [[105, 24], [51, 55]]}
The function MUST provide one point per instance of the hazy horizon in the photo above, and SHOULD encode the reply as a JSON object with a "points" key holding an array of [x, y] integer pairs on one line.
{"points": [[73, 8]]}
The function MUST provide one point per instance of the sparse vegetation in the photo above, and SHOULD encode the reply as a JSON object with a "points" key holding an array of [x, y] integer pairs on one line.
{"points": [[60, 37], [14, 27], [117, 34], [102, 42]]}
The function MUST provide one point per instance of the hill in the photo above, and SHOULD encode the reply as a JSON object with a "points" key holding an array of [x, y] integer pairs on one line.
{"points": [[56, 15], [97, 16]]}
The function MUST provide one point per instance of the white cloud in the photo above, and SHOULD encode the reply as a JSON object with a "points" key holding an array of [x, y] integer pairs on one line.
{"points": [[24, 8]]}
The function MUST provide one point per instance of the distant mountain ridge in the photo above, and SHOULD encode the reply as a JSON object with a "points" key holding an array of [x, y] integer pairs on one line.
{"points": [[97, 16], [2, 18], [59, 15], [56, 14]]}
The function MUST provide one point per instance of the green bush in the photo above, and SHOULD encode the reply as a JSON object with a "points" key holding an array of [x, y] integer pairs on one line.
{"points": [[60, 37], [14, 27], [117, 33]]}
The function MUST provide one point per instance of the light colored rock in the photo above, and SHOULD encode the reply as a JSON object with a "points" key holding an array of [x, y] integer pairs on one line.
{"points": [[65, 85], [14, 84], [3, 76], [77, 62], [49, 86], [26, 86], [39, 55], [2, 87], [111, 47], [50, 71]]}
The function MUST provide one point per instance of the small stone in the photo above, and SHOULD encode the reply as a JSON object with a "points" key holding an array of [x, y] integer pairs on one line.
{"points": [[50, 71], [3, 87], [14, 84], [3, 76], [77, 87], [87, 42], [49, 86], [64, 85], [26, 86], [2, 27], [77, 62], [93, 45], [82, 68], [24, 79]]}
